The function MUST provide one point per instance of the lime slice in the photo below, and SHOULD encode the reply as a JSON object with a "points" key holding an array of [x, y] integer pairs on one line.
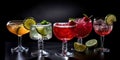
{"points": [[21, 30], [28, 22], [79, 47], [41, 30], [110, 18], [91, 43]]}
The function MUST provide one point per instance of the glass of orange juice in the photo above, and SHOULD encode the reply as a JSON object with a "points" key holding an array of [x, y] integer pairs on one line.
{"points": [[19, 28]]}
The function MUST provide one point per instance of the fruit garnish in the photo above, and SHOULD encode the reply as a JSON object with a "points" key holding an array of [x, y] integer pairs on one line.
{"points": [[41, 30], [28, 22], [85, 18], [86, 15], [72, 21], [21, 30], [18, 29], [110, 18], [79, 47], [91, 43], [44, 22]]}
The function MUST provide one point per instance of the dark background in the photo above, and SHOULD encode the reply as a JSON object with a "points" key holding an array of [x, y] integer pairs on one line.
{"points": [[59, 10]]}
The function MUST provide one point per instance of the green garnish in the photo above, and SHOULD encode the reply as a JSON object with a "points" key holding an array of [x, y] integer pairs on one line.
{"points": [[44, 22], [85, 15]]}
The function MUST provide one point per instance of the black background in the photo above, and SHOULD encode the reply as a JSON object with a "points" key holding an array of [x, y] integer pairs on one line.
{"points": [[59, 10]]}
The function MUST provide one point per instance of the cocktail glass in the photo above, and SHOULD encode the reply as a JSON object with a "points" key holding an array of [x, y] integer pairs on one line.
{"points": [[41, 32], [64, 32], [16, 27], [102, 29], [83, 28]]}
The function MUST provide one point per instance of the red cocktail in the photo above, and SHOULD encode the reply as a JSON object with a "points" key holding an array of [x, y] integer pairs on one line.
{"points": [[83, 28], [64, 32]]}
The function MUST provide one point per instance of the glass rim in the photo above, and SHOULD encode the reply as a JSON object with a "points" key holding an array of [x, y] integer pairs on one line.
{"points": [[38, 24], [16, 20], [63, 26]]}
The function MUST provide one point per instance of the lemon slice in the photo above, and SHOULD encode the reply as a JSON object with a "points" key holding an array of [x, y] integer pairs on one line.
{"points": [[110, 18], [41, 30], [79, 47], [91, 43], [28, 22]]}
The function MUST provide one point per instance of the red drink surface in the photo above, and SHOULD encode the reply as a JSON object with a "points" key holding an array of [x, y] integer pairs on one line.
{"points": [[63, 31], [83, 28]]}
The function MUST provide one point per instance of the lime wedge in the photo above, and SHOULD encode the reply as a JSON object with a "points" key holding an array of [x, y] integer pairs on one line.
{"points": [[91, 43], [79, 47], [21, 30], [28, 22], [110, 18], [41, 30]]}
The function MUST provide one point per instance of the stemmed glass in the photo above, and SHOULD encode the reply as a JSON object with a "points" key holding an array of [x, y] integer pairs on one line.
{"points": [[41, 32], [64, 32], [102, 29], [16, 27], [83, 28]]}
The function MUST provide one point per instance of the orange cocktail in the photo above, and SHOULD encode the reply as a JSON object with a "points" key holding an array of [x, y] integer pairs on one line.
{"points": [[20, 28], [17, 28]]}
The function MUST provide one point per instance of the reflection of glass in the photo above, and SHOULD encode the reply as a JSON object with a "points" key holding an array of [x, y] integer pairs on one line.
{"points": [[20, 56], [83, 28], [40, 32], [64, 32], [16, 27], [102, 29]]}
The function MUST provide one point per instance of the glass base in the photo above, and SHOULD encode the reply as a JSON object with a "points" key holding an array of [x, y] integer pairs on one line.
{"points": [[69, 54], [101, 50], [19, 49], [36, 53]]}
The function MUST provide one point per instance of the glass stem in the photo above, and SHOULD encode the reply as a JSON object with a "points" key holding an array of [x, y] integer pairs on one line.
{"points": [[80, 40], [40, 46], [64, 48], [102, 41], [19, 41]]}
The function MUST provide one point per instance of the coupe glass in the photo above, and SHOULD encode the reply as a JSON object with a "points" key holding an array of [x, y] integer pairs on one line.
{"points": [[64, 32], [16, 27], [83, 28], [41, 32], [102, 29]]}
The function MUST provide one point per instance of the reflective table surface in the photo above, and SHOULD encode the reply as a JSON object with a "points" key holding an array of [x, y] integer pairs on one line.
{"points": [[52, 48]]}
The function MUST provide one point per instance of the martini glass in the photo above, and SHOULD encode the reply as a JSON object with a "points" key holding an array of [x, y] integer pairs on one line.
{"points": [[16, 27]]}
